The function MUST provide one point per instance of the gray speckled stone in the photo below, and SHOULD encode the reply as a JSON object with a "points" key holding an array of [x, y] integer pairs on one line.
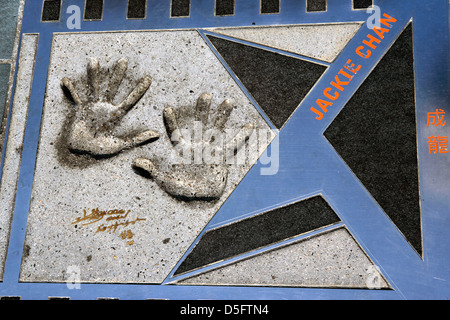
{"points": [[181, 67], [16, 133], [331, 260]]}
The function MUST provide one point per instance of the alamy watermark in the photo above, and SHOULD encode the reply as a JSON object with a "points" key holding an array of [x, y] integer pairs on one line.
{"points": [[73, 277], [74, 19], [373, 280], [374, 20], [236, 147]]}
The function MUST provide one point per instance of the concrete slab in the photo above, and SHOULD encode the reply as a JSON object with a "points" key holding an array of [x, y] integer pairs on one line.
{"points": [[154, 228], [332, 259]]}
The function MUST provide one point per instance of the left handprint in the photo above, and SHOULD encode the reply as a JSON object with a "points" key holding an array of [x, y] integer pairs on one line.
{"points": [[91, 130]]}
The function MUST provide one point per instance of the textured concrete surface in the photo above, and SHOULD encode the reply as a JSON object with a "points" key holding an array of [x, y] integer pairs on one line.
{"points": [[333, 259], [100, 214], [16, 133], [90, 216], [65, 228], [154, 228]]}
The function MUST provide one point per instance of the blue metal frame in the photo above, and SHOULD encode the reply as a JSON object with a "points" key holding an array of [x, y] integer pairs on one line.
{"points": [[308, 163]]}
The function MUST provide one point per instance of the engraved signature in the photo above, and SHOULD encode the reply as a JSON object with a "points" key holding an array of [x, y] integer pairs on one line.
{"points": [[97, 215], [114, 226], [113, 219]]}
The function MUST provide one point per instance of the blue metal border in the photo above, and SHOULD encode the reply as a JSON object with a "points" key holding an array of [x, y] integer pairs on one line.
{"points": [[308, 163]]}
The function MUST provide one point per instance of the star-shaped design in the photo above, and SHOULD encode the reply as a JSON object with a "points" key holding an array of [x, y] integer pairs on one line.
{"points": [[310, 164]]}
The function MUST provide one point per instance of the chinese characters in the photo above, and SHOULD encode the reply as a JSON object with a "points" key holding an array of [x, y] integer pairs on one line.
{"points": [[437, 144]]}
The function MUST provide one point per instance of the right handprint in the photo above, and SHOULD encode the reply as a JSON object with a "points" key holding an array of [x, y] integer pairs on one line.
{"points": [[199, 170]]}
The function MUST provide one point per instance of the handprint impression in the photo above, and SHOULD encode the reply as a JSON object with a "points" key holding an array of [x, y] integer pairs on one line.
{"points": [[197, 181], [90, 130]]}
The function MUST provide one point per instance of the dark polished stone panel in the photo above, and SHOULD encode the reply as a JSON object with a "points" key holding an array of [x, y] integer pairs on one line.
{"points": [[375, 134], [316, 5], [270, 6], [259, 231], [361, 4], [180, 8], [277, 82], [51, 10], [93, 10], [136, 9], [224, 7]]}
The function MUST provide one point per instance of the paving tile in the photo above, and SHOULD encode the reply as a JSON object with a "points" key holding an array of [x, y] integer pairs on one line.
{"points": [[362, 4], [272, 227], [14, 145], [163, 226], [180, 8], [182, 149], [316, 5], [308, 263], [9, 11], [93, 10], [224, 7]]}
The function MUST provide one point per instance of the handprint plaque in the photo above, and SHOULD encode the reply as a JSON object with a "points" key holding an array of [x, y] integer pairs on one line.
{"points": [[74, 172], [91, 128]]}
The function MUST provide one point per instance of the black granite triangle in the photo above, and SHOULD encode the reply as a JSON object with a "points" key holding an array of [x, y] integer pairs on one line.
{"points": [[277, 82], [375, 133], [259, 231]]}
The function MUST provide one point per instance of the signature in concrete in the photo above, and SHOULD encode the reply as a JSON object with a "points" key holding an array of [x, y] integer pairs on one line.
{"points": [[112, 221], [96, 215]]}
